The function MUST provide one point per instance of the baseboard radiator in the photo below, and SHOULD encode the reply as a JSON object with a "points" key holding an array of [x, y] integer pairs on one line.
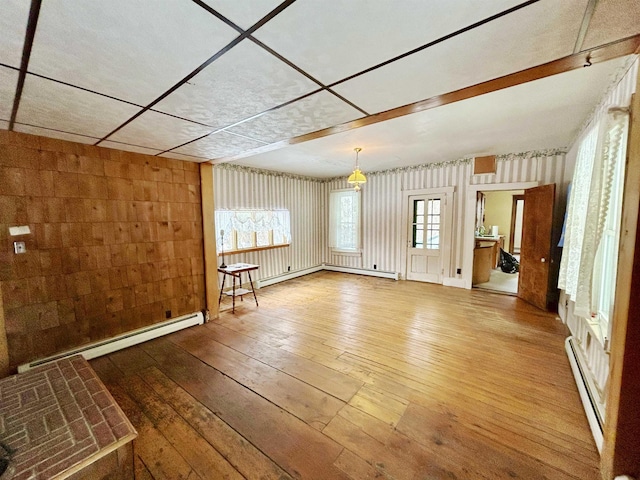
{"points": [[125, 340], [588, 396]]}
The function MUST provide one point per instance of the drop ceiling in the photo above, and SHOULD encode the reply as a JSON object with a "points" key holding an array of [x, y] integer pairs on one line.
{"points": [[295, 86]]}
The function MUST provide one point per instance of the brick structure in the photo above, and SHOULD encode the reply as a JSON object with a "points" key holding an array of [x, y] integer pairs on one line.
{"points": [[59, 419]]}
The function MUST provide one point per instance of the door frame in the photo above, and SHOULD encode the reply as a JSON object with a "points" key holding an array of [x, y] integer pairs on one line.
{"points": [[468, 240], [448, 195], [512, 228]]}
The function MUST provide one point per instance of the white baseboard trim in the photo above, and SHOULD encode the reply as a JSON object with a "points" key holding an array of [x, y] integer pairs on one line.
{"points": [[287, 276], [588, 400], [125, 340], [454, 282], [361, 271]]}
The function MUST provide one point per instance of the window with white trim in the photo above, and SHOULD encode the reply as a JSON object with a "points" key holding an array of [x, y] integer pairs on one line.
{"points": [[606, 260], [344, 220], [245, 229]]}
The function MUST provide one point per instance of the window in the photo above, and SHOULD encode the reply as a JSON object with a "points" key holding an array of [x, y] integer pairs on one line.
{"points": [[426, 224], [249, 229], [606, 261], [344, 220]]}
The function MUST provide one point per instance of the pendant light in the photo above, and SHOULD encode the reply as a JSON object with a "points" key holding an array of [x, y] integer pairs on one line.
{"points": [[357, 178]]}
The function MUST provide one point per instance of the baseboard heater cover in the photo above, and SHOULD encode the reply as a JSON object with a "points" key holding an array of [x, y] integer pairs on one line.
{"points": [[287, 276], [589, 401], [361, 271], [125, 340]]}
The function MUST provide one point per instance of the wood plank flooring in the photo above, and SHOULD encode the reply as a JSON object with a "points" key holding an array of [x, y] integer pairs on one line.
{"points": [[338, 376]]}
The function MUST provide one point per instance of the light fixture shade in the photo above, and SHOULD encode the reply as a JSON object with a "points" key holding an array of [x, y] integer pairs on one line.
{"points": [[357, 177]]}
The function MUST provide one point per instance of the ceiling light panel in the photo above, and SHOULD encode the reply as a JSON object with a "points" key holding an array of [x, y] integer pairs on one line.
{"points": [[8, 82], [131, 50], [245, 81], [45, 132], [129, 148], [312, 113], [535, 35], [159, 131], [218, 145], [613, 20], [350, 36], [243, 14], [13, 25], [53, 105]]}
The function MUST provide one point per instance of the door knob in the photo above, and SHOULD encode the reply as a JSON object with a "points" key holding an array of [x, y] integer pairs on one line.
{"points": [[543, 260]]}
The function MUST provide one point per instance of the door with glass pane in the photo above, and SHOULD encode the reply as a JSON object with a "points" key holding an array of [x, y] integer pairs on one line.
{"points": [[424, 249]]}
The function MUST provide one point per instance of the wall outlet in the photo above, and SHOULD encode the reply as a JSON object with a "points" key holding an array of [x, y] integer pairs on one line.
{"points": [[289, 268], [19, 247], [375, 267], [167, 314], [459, 271]]}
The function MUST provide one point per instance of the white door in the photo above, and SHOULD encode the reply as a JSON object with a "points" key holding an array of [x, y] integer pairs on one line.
{"points": [[425, 235]]}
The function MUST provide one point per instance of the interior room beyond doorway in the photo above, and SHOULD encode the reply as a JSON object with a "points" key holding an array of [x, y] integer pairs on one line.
{"points": [[498, 229]]}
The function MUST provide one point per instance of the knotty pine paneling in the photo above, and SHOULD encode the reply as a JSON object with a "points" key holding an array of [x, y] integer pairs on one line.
{"points": [[116, 241]]}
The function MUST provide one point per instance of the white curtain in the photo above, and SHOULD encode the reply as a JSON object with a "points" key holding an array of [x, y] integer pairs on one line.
{"points": [[588, 206], [344, 220], [248, 221]]}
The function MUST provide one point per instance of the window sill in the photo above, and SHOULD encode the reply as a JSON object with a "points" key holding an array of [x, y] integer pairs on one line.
{"points": [[346, 253], [253, 249]]}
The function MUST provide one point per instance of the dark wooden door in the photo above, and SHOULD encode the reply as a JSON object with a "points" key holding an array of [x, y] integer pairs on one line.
{"points": [[535, 253]]}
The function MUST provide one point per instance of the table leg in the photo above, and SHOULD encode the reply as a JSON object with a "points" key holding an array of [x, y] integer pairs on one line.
{"points": [[253, 289], [233, 301], [224, 277]]}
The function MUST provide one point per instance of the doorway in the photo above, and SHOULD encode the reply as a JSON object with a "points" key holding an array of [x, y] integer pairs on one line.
{"points": [[427, 219], [497, 240]]}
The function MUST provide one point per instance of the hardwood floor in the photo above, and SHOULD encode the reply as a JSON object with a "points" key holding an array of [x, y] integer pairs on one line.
{"points": [[338, 376]]}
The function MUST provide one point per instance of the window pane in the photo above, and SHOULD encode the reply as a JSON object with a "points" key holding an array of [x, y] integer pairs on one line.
{"points": [[244, 240], [418, 207], [262, 239], [344, 216]]}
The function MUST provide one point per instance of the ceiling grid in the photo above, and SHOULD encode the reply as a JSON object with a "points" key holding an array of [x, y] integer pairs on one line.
{"points": [[294, 85]]}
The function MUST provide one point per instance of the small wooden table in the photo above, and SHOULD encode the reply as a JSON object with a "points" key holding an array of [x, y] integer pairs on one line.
{"points": [[235, 271]]}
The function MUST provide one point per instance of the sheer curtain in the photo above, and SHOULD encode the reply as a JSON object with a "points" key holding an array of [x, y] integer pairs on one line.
{"points": [[588, 207]]}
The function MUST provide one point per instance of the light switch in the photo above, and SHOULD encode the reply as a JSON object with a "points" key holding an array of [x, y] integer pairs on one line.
{"points": [[19, 247]]}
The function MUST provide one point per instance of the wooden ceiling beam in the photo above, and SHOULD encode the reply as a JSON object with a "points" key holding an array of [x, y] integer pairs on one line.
{"points": [[575, 61]]}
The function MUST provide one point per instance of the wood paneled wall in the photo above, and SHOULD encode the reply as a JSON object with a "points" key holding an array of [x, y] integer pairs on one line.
{"points": [[115, 243]]}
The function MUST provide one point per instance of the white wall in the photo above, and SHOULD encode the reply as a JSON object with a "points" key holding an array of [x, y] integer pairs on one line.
{"points": [[588, 339], [383, 193], [237, 187]]}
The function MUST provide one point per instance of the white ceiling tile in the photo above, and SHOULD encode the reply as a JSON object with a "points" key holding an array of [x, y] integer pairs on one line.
{"points": [[313, 113], [160, 131], [129, 148], [537, 115], [131, 50], [613, 20], [243, 82], [535, 35], [8, 82], [334, 42], [179, 156], [218, 145], [46, 132], [4, 125], [52, 105], [243, 14], [13, 25]]}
